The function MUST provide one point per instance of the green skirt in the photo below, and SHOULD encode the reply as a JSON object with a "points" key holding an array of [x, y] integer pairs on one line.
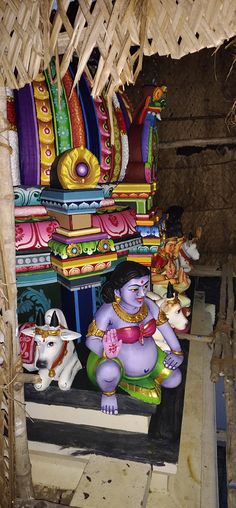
{"points": [[146, 388]]}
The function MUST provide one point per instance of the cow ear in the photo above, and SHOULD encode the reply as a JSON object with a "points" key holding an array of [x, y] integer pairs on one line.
{"points": [[69, 335], [28, 331]]}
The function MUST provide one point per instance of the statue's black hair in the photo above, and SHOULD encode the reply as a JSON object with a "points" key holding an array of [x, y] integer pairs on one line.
{"points": [[123, 272], [173, 222]]}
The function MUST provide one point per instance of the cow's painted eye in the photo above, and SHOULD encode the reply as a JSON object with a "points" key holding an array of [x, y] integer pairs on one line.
{"points": [[50, 344], [36, 344]]}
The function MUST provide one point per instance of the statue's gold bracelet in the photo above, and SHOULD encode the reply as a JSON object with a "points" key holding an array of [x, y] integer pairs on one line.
{"points": [[177, 353]]}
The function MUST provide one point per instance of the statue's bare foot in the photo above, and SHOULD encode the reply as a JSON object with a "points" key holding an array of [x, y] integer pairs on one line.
{"points": [[109, 404]]}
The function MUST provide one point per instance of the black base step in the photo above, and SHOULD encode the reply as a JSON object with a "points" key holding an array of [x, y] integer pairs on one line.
{"points": [[106, 442], [86, 399]]}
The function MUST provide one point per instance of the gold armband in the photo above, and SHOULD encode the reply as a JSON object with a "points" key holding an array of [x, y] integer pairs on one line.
{"points": [[162, 318], [94, 330]]}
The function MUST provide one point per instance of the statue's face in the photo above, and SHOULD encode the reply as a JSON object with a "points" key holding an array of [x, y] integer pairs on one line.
{"points": [[170, 246], [134, 291]]}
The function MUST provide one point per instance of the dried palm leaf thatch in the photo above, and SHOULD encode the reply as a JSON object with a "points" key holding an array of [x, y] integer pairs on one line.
{"points": [[122, 31], [231, 117], [178, 28]]}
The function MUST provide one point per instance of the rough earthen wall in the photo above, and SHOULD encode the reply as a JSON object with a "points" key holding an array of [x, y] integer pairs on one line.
{"points": [[202, 179]]}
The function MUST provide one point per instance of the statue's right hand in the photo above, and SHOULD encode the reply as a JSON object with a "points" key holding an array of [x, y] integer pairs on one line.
{"points": [[111, 344]]}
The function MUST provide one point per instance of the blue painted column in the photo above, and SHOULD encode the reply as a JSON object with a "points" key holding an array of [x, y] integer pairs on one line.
{"points": [[79, 306]]}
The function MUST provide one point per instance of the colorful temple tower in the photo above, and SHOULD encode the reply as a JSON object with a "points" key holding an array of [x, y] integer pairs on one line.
{"points": [[70, 166]]}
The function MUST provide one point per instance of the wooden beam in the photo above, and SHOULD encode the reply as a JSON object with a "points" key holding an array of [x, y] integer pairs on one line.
{"points": [[230, 402], [234, 343], [207, 271], [23, 378], [201, 142], [198, 338], [229, 393], [219, 331]]}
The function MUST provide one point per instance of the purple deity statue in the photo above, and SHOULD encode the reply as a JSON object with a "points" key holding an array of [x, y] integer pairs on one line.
{"points": [[120, 338]]}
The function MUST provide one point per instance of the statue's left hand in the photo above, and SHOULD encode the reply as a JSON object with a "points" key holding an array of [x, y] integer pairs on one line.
{"points": [[111, 344], [173, 361]]}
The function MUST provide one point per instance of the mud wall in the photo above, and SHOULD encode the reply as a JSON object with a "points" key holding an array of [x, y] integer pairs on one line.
{"points": [[197, 157]]}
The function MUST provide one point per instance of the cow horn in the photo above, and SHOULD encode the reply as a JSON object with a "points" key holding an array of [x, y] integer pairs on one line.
{"points": [[54, 320], [170, 291], [40, 321]]}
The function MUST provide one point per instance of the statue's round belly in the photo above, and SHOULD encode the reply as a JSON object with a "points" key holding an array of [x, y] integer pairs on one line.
{"points": [[138, 359]]}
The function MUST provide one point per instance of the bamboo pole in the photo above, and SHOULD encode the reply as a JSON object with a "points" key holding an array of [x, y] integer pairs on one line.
{"points": [[20, 482], [230, 397], [234, 343], [224, 363], [227, 345], [219, 334], [7, 318]]}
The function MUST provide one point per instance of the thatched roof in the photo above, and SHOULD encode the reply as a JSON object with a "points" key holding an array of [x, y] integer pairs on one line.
{"points": [[33, 31]]}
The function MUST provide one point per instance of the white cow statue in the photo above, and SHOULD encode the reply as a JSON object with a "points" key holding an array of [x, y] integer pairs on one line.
{"points": [[55, 356], [174, 313], [189, 251]]}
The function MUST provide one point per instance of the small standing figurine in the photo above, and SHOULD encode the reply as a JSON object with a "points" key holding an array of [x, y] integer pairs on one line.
{"points": [[166, 267], [123, 351]]}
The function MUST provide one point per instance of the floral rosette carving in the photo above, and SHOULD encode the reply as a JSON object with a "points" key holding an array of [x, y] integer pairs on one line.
{"points": [[73, 250], [77, 168], [105, 246]]}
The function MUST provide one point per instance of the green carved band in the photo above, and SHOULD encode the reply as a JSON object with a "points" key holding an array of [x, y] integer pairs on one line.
{"points": [[71, 250]]}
